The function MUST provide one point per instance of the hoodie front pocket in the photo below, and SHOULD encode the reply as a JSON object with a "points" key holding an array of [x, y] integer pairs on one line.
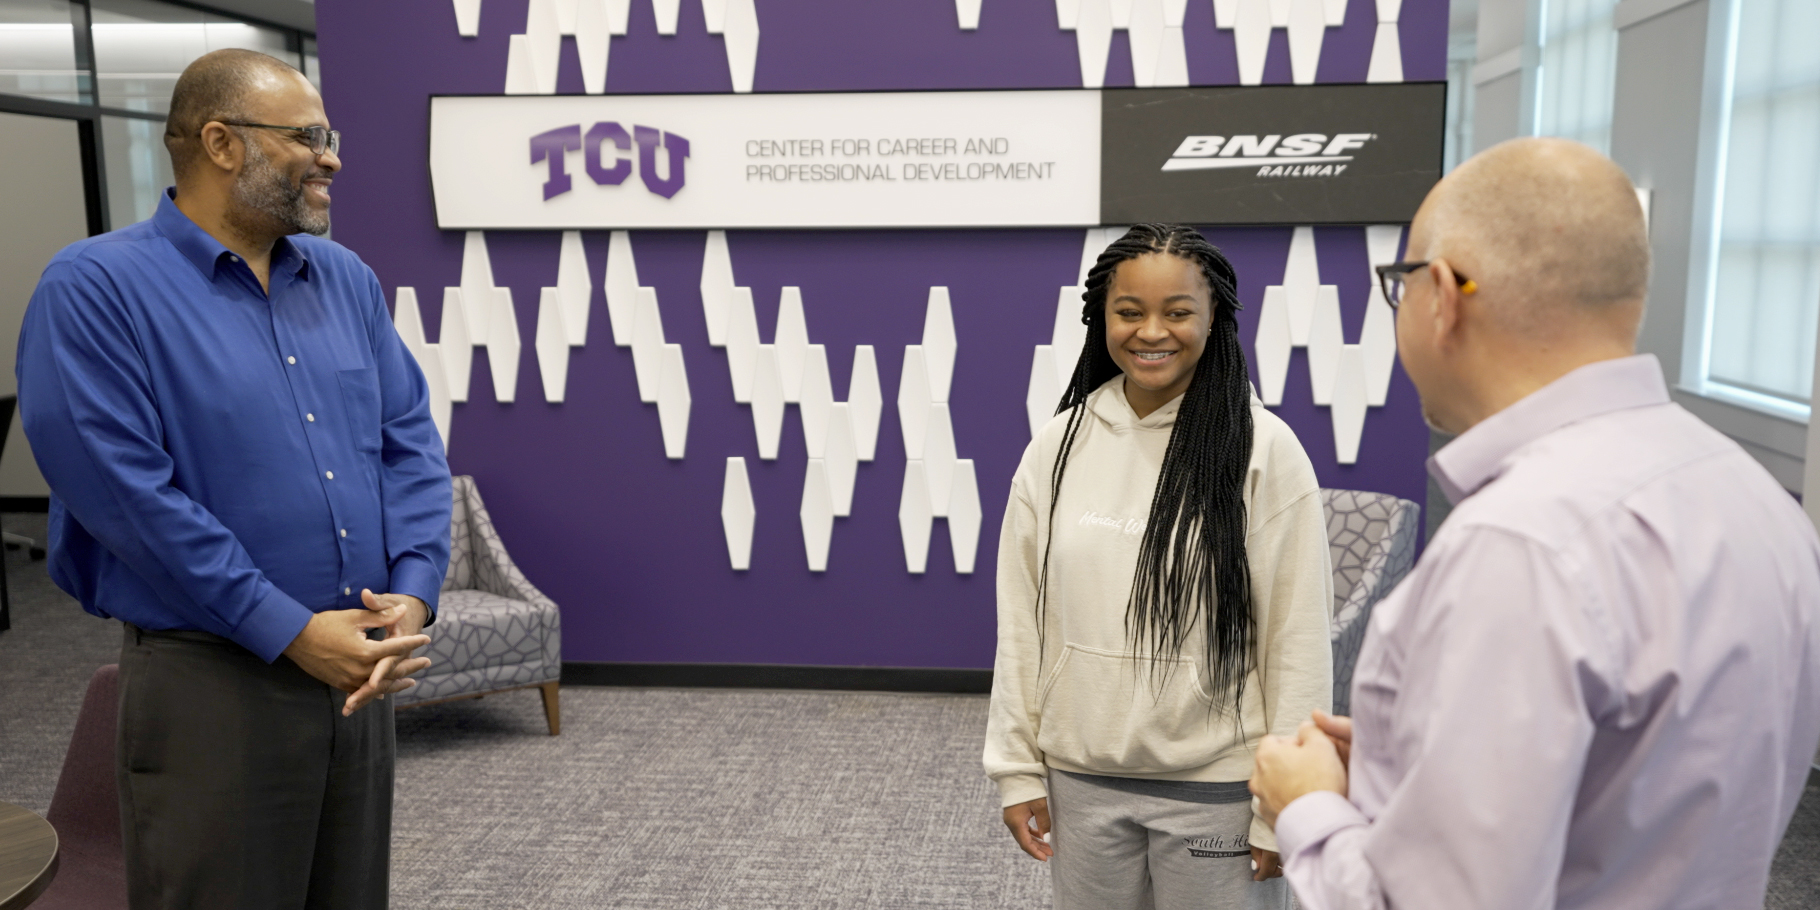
{"points": [[1112, 712]]}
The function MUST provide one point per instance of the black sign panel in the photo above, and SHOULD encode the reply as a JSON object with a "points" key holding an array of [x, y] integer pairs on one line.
{"points": [[1289, 154]]}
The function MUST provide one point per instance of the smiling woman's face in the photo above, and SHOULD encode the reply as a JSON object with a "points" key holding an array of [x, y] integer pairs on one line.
{"points": [[1159, 311]]}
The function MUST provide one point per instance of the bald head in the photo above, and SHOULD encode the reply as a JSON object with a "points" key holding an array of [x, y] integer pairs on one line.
{"points": [[220, 85], [1550, 230]]}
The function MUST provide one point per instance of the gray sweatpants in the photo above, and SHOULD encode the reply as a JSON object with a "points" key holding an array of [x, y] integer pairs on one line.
{"points": [[1120, 850]]}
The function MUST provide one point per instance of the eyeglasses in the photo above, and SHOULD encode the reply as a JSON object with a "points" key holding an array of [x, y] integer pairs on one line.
{"points": [[1391, 277], [320, 138]]}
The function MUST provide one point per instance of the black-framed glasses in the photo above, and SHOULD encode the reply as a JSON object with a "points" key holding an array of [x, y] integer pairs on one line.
{"points": [[1391, 277], [320, 138]]}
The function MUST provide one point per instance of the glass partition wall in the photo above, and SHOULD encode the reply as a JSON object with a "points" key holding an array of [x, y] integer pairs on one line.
{"points": [[110, 65]]}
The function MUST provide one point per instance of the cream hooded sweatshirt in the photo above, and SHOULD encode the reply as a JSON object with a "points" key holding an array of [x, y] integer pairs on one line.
{"points": [[1081, 700]]}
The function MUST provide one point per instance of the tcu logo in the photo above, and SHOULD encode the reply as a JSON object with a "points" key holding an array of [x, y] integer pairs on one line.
{"points": [[553, 146]]}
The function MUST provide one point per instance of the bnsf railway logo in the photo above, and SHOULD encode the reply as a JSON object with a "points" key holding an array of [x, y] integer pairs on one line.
{"points": [[610, 168], [1300, 155]]}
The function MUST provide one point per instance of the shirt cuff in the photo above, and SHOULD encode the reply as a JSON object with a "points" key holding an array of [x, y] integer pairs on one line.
{"points": [[1313, 818], [416, 576], [272, 625], [1015, 789]]}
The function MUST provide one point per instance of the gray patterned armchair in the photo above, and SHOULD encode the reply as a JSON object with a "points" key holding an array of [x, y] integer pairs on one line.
{"points": [[494, 630], [1373, 541]]}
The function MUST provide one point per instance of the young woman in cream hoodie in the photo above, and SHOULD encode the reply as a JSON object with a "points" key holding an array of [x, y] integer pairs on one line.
{"points": [[1164, 593]]}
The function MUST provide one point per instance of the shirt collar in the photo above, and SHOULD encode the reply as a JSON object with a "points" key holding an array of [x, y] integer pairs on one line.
{"points": [[206, 253], [1482, 453]]}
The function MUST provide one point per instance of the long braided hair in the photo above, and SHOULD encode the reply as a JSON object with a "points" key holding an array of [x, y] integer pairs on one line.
{"points": [[1191, 567]]}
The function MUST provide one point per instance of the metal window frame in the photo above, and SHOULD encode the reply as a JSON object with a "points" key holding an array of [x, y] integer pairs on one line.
{"points": [[87, 115]]}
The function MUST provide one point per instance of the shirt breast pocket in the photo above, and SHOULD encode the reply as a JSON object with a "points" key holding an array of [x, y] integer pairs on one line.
{"points": [[360, 402]]}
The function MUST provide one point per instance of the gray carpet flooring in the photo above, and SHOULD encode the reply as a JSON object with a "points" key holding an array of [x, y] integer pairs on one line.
{"points": [[652, 798]]}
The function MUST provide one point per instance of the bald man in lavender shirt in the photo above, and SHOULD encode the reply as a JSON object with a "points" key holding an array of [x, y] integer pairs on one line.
{"points": [[1601, 685]]}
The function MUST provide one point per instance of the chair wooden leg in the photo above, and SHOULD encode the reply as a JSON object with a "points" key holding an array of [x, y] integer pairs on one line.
{"points": [[552, 706]]}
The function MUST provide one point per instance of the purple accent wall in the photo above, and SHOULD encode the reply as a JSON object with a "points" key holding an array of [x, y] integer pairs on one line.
{"points": [[630, 543]]}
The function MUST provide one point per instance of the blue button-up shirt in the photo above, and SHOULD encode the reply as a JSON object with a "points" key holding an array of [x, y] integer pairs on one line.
{"points": [[222, 458]]}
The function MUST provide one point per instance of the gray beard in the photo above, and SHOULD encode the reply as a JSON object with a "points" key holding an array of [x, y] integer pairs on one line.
{"points": [[268, 204]]}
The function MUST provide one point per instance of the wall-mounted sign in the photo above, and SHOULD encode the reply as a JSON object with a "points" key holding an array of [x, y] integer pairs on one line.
{"points": [[1278, 154]]}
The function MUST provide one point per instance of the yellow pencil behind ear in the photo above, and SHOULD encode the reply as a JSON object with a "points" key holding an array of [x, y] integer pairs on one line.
{"points": [[1470, 287]]}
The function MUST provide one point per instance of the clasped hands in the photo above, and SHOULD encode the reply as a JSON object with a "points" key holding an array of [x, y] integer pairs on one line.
{"points": [[1288, 768], [333, 647]]}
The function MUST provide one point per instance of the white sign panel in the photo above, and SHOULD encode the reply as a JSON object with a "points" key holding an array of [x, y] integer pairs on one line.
{"points": [[901, 159]]}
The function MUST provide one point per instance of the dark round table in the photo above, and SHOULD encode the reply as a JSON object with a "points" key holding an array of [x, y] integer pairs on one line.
{"points": [[28, 856]]}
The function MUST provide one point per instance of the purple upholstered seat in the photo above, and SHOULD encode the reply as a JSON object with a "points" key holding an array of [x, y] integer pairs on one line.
{"points": [[85, 810]]}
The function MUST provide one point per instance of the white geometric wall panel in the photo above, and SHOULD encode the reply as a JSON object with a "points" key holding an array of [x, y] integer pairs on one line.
{"points": [[964, 516], [408, 318], [467, 18], [1044, 393], [1379, 338], [817, 515], [456, 342], [1386, 47], [968, 11], [442, 410], [939, 343], [593, 38], [1349, 404], [740, 34], [621, 284], [1052, 365], [792, 341], [667, 12], [521, 70], [1306, 22], [503, 346], [532, 58], [841, 457], [647, 343], [939, 458], [1271, 347], [1303, 312], [928, 429], [738, 514], [815, 400], [742, 343], [865, 401], [767, 401], [913, 400], [552, 345], [915, 520], [716, 287], [673, 401]]}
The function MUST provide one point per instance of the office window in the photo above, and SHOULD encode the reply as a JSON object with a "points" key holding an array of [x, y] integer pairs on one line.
{"points": [[1766, 267], [142, 46], [312, 64], [38, 50], [138, 168], [1579, 63]]}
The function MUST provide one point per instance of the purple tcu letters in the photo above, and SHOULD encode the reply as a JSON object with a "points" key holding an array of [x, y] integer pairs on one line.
{"points": [[552, 146]]}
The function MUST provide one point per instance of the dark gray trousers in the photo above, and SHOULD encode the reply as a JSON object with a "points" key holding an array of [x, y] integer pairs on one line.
{"points": [[242, 786]]}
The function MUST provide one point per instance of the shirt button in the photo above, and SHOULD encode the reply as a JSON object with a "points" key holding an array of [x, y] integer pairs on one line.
{"points": [[346, 591], [291, 360], [344, 532], [329, 474], [310, 417]]}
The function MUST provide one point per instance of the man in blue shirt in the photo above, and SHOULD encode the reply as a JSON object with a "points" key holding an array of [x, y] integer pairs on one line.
{"points": [[240, 453]]}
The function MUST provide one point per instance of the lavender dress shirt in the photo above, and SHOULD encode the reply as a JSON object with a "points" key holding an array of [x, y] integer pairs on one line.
{"points": [[1600, 687]]}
